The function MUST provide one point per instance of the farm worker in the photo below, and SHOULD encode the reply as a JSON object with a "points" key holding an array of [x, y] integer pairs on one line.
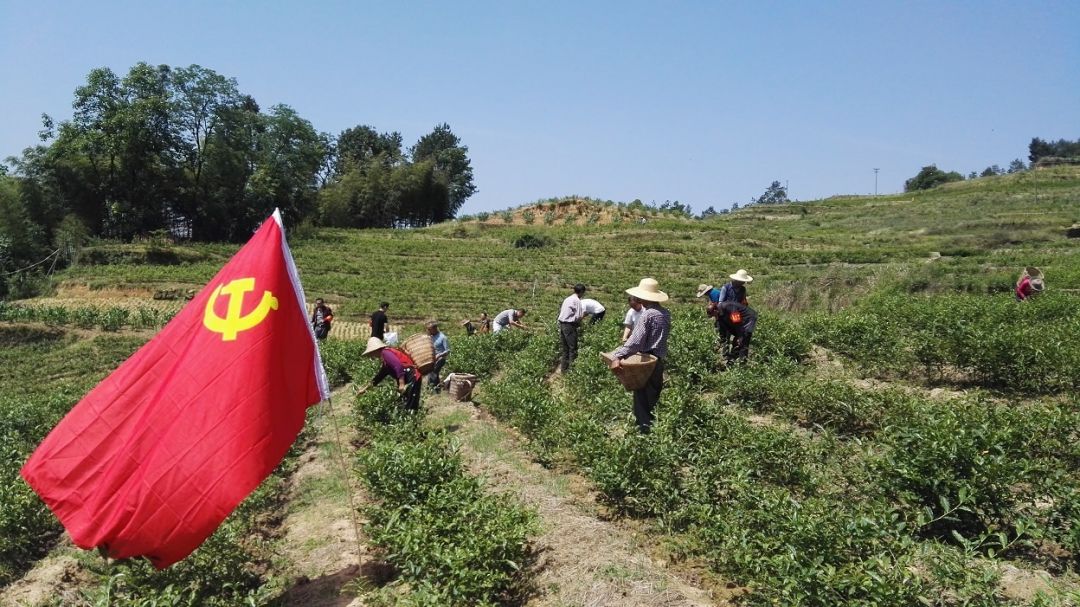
{"points": [[649, 336], [379, 322], [442, 350], [739, 320], [1028, 286], [485, 323], [509, 318], [401, 366], [321, 317], [631, 318], [470, 328], [733, 290], [594, 310], [570, 314]]}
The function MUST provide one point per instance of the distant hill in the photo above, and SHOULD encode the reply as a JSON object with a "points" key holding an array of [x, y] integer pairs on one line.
{"points": [[970, 236]]}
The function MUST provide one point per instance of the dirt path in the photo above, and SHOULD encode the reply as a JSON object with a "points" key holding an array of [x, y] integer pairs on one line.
{"points": [[320, 548], [583, 559]]}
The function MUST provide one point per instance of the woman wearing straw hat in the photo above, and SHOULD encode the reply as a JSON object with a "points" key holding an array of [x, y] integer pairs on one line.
{"points": [[649, 336], [401, 366]]}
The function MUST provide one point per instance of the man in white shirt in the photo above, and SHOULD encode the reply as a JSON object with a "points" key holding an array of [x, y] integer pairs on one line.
{"points": [[594, 310], [569, 320], [508, 318], [632, 315]]}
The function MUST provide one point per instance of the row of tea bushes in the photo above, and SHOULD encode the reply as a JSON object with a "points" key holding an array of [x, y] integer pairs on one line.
{"points": [[450, 540], [884, 498], [1031, 346]]}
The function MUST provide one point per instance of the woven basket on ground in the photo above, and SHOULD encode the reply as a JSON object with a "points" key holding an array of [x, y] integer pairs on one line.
{"points": [[421, 350], [634, 370], [461, 386]]}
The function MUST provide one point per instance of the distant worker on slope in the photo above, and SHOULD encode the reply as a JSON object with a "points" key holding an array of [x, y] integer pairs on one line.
{"points": [[379, 322], [321, 317], [509, 318], [1029, 283]]}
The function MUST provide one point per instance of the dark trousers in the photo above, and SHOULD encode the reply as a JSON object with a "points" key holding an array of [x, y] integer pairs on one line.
{"points": [[433, 376], [568, 334], [321, 331], [597, 317], [410, 398], [741, 348], [646, 398]]}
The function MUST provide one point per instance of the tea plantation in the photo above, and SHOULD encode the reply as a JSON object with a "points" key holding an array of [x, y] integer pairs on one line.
{"points": [[904, 432]]}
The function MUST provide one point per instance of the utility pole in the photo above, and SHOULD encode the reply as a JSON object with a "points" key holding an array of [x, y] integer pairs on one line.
{"points": [[875, 181]]}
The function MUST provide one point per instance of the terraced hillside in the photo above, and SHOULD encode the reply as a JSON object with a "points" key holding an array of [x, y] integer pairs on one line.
{"points": [[904, 432], [807, 255]]}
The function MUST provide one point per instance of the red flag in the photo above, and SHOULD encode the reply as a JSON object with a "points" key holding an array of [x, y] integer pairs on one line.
{"points": [[155, 457]]}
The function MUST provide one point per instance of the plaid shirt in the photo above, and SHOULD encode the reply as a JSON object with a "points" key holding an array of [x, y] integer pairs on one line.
{"points": [[649, 335]]}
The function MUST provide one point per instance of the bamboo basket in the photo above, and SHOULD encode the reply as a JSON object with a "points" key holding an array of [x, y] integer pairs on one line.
{"points": [[1033, 272], [461, 386], [421, 350], [635, 369]]}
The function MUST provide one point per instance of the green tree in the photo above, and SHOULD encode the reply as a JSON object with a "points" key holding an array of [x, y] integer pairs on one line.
{"points": [[362, 144], [290, 155], [930, 177], [451, 163], [774, 194], [1017, 166]]}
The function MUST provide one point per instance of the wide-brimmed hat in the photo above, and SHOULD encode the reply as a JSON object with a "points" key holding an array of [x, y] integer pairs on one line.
{"points": [[741, 276], [466, 321], [374, 344], [1037, 284], [648, 290], [703, 289]]}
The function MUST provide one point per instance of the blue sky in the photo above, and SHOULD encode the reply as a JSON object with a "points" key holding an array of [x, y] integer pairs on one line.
{"points": [[701, 102]]}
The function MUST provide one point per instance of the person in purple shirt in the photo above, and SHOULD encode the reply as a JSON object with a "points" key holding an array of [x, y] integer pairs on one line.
{"points": [[649, 336], [396, 363]]}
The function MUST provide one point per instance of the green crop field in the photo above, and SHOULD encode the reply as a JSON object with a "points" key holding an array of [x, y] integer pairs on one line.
{"points": [[904, 433]]}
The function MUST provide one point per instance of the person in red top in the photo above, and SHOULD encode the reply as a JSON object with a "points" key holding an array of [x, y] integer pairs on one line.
{"points": [[1028, 286], [401, 366]]}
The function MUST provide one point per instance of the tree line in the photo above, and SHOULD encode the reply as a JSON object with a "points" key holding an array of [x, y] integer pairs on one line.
{"points": [[183, 151], [1039, 153]]}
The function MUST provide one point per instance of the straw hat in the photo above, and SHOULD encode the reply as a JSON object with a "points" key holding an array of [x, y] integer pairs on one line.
{"points": [[1037, 284], [703, 289], [741, 276], [648, 290], [374, 344], [466, 321]]}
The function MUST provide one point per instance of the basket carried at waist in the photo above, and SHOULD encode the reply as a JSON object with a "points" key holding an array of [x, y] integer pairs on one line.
{"points": [[461, 386], [634, 370], [421, 350]]}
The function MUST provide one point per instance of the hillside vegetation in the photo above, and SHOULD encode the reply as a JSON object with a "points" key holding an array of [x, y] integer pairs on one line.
{"points": [[904, 432], [973, 236]]}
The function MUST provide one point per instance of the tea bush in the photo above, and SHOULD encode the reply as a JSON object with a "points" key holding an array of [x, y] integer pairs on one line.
{"points": [[454, 543], [847, 513]]}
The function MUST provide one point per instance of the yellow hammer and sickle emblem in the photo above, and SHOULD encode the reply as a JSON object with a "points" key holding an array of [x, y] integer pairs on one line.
{"points": [[234, 322]]}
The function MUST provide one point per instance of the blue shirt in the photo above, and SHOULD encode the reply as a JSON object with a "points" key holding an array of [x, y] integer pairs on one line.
{"points": [[442, 346]]}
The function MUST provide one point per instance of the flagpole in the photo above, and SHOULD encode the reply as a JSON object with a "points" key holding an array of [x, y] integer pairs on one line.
{"points": [[348, 478]]}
